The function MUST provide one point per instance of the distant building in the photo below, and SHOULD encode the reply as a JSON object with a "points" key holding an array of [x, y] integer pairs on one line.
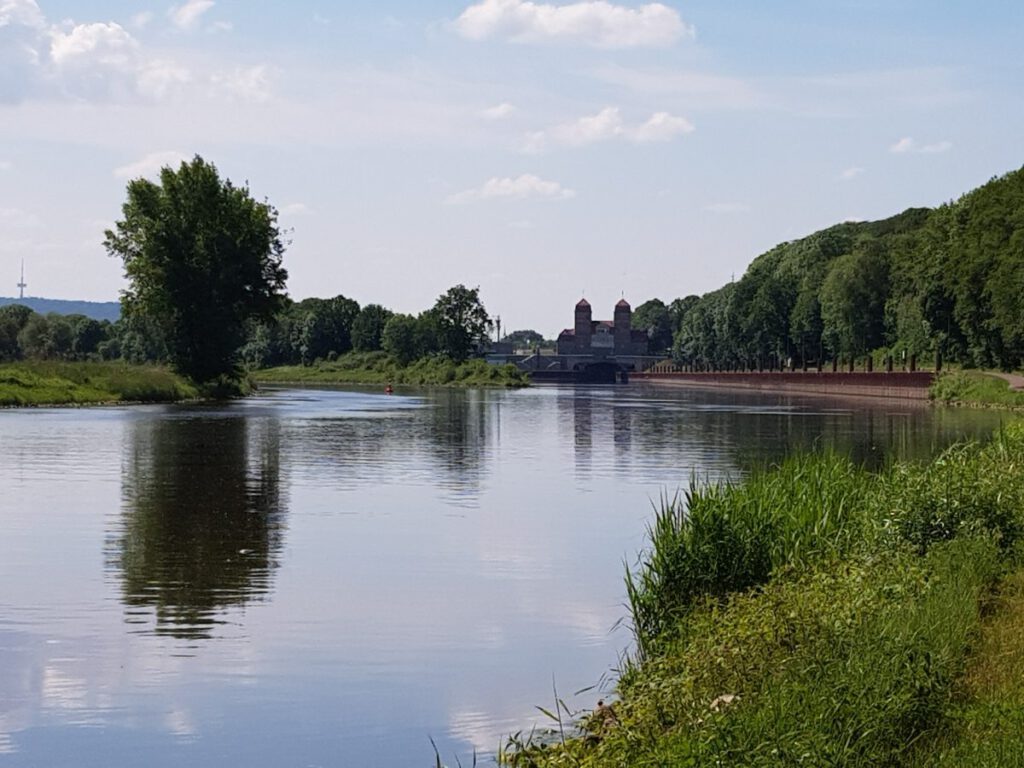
{"points": [[602, 337]]}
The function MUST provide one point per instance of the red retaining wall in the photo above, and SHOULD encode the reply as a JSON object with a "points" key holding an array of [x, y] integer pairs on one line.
{"points": [[899, 384]]}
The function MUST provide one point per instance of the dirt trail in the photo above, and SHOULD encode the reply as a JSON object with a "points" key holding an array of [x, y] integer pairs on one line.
{"points": [[1016, 380]]}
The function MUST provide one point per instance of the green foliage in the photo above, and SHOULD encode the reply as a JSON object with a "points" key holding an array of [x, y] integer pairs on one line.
{"points": [[462, 322], [202, 258], [368, 328], [58, 383], [13, 318], [654, 318], [973, 388], [853, 300], [322, 326], [723, 538], [946, 280], [400, 338], [526, 339]]}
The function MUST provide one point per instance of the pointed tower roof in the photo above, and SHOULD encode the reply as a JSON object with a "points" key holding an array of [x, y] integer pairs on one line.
{"points": [[623, 304], [582, 304]]}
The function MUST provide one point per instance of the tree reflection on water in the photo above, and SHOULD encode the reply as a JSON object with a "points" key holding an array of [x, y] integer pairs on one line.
{"points": [[202, 521]]}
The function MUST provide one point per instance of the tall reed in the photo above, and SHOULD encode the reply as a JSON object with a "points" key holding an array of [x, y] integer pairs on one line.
{"points": [[721, 538]]}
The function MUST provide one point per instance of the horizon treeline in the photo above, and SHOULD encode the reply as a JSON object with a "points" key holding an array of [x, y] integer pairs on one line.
{"points": [[947, 281], [302, 333]]}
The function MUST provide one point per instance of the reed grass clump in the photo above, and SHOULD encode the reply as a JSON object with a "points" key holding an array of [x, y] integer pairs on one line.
{"points": [[721, 538]]}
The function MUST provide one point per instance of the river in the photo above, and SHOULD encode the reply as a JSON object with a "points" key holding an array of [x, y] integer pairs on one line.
{"points": [[317, 577]]}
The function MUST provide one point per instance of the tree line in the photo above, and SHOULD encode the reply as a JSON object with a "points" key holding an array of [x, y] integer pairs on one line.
{"points": [[928, 282], [206, 293], [300, 333]]}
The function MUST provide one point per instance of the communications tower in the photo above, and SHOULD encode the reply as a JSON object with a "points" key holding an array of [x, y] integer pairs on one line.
{"points": [[22, 285]]}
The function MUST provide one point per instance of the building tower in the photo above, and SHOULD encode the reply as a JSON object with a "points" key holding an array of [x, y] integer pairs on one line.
{"points": [[22, 285], [584, 328], [623, 322]]}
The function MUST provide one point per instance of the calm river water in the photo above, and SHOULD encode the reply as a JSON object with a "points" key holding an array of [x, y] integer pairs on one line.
{"points": [[331, 578]]}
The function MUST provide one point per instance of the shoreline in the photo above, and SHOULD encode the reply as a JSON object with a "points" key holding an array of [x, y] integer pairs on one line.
{"points": [[890, 386]]}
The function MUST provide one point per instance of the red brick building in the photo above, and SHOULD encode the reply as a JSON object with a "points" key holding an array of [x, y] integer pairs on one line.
{"points": [[602, 337]]}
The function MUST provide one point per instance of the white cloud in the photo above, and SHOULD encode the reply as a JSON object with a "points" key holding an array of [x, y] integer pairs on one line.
{"points": [[6, 165], [699, 88], [498, 111], [105, 44], [142, 20], [606, 125], [296, 209], [524, 187], [851, 173], [591, 22], [17, 218], [150, 165], [726, 208], [186, 16], [246, 83], [21, 13], [158, 78], [220, 26], [96, 62], [661, 127], [908, 145]]}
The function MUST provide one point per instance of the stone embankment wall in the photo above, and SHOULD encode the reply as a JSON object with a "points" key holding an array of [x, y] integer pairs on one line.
{"points": [[899, 384]]}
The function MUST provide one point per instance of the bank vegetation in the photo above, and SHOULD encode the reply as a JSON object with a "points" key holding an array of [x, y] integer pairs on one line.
{"points": [[383, 369], [51, 382], [818, 614]]}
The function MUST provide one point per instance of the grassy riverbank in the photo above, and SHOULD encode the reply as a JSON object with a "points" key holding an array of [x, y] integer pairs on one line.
{"points": [[977, 389], [817, 614], [380, 368], [58, 383]]}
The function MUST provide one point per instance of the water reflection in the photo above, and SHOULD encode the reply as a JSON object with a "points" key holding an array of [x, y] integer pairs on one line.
{"points": [[644, 431], [203, 520], [461, 432]]}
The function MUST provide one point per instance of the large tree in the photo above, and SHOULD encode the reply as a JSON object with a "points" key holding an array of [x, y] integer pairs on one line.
{"points": [[654, 318], [202, 257], [368, 327], [462, 322]]}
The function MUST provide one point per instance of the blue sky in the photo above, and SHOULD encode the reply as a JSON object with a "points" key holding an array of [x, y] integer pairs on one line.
{"points": [[538, 150]]}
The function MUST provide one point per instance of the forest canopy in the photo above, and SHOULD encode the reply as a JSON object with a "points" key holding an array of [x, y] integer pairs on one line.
{"points": [[947, 281]]}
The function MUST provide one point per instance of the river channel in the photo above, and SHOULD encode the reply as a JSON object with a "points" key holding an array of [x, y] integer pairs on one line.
{"points": [[317, 577]]}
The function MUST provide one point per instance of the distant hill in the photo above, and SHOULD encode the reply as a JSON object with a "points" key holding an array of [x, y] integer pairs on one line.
{"points": [[98, 310]]}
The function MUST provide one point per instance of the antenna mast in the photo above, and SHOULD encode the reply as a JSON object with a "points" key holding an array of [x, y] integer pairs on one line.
{"points": [[22, 285]]}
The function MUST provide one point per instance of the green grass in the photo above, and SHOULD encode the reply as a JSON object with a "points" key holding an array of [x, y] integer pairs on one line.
{"points": [[988, 727], [975, 388], [817, 614], [30, 383], [379, 368]]}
